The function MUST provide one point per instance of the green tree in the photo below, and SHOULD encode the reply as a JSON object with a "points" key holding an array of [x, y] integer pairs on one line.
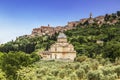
{"points": [[94, 75], [2, 75], [112, 50], [13, 61]]}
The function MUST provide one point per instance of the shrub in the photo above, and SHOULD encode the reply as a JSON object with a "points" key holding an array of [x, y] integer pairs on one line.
{"points": [[55, 72], [94, 75], [80, 73], [68, 72], [2, 75], [50, 78], [43, 70], [94, 65], [108, 70], [26, 73], [117, 61], [109, 77], [117, 70], [105, 61], [86, 66], [81, 58], [77, 65], [73, 76], [62, 74]]}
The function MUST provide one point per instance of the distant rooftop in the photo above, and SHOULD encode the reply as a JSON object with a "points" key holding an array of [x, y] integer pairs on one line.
{"points": [[62, 35]]}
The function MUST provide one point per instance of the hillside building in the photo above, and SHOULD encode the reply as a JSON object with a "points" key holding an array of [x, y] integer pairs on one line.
{"points": [[61, 50]]}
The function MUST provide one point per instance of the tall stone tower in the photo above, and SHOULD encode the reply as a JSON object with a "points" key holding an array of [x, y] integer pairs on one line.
{"points": [[91, 15], [48, 25]]}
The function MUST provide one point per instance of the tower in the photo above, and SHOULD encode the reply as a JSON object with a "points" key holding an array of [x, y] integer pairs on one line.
{"points": [[90, 15], [48, 25], [62, 37]]}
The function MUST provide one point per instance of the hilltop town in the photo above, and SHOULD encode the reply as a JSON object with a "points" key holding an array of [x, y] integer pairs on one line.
{"points": [[99, 20]]}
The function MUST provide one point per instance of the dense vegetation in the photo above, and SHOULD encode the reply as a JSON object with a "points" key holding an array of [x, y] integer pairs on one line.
{"points": [[98, 55], [96, 42], [89, 69], [86, 69], [28, 44], [12, 61], [84, 40], [91, 41]]}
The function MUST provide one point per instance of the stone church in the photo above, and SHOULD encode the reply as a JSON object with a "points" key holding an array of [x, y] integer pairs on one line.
{"points": [[61, 50]]}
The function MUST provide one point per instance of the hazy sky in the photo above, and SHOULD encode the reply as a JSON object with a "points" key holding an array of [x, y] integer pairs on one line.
{"points": [[19, 17]]}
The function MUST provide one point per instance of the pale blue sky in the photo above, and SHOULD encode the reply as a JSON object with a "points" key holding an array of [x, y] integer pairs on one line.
{"points": [[19, 17]]}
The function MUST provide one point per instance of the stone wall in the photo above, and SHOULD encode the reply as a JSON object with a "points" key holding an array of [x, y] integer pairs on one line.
{"points": [[64, 56]]}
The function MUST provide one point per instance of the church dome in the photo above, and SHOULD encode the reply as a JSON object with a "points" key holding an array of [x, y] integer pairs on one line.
{"points": [[62, 35]]}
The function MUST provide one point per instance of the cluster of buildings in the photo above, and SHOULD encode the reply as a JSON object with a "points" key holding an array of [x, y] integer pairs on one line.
{"points": [[48, 30]]}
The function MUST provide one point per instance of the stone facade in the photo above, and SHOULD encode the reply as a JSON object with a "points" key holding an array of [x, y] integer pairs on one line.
{"points": [[61, 50], [73, 23], [82, 21], [58, 29], [47, 30], [43, 30], [99, 19]]}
